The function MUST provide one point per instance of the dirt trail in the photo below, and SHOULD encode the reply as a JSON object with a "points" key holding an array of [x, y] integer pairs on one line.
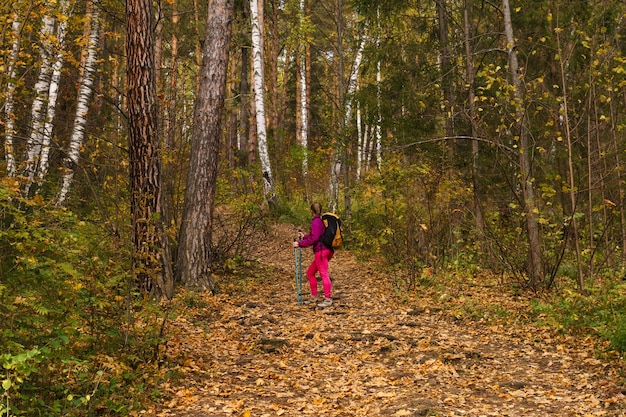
{"points": [[260, 354]]}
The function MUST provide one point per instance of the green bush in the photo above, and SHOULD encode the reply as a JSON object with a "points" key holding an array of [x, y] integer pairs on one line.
{"points": [[618, 335], [410, 215], [67, 337], [601, 311]]}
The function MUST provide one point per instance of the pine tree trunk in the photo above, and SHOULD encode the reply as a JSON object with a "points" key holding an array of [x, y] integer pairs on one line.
{"points": [[194, 251], [151, 260]]}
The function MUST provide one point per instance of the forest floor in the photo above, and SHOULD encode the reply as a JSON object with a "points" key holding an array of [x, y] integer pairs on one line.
{"points": [[253, 351]]}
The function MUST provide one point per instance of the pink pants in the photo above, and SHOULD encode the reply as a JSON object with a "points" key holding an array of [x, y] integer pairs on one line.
{"points": [[320, 264]]}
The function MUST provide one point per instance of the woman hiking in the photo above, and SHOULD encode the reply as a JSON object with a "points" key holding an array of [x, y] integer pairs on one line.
{"points": [[321, 256]]}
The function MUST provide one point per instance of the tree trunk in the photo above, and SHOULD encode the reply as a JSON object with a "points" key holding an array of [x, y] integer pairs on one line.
{"points": [[337, 166], [302, 98], [244, 100], [361, 136], [272, 49], [473, 117], [9, 103], [198, 44], [151, 260], [379, 120], [616, 140], [446, 76], [259, 94], [171, 128], [570, 162], [35, 140], [53, 92], [194, 250], [84, 97], [536, 273], [244, 105]]}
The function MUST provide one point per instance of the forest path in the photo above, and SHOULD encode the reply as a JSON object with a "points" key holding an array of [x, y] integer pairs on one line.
{"points": [[255, 352]]}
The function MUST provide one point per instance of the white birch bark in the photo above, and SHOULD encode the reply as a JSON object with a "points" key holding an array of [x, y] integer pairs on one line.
{"points": [[53, 92], [335, 170], [9, 104], [303, 100], [354, 79], [365, 135], [379, 134], [259, 100], [373, 146], [34, 143], [84, 96], [360, 142]]}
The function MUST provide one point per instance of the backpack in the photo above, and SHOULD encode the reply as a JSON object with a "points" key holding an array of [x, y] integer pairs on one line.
{"points": [[331, 238]]}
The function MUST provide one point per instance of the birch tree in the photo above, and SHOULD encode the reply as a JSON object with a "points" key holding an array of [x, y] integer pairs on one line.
{"points": [[194, 251], [303, 120], [9, 103], [379, 120], [336, 166], [259, 99], [82, 107], [53, 91], [35, 139]]}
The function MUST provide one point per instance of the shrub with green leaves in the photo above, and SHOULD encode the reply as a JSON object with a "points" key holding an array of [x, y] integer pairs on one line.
{"points": [[411, 215], [66, 338]]}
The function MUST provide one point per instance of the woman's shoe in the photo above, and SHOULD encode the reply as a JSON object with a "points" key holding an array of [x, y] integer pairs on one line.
{"points": [[326, 303]]}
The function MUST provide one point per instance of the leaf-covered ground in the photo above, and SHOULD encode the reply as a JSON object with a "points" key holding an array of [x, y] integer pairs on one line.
{"points": [[254, 352]]}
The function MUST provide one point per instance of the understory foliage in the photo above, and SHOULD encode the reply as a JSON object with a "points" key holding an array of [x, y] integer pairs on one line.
{"points": [[415, 217], [600, 312], [77, 338], [74, 339], [419, 221]]}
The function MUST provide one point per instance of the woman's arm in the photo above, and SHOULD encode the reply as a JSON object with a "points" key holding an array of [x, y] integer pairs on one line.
{"points": [[317, 230]]}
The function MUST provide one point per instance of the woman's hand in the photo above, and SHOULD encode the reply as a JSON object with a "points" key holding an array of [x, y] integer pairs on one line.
{"points": [[295, 244]]}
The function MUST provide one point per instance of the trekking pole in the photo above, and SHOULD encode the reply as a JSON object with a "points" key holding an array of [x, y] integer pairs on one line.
{"points": [[297, 256]]}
